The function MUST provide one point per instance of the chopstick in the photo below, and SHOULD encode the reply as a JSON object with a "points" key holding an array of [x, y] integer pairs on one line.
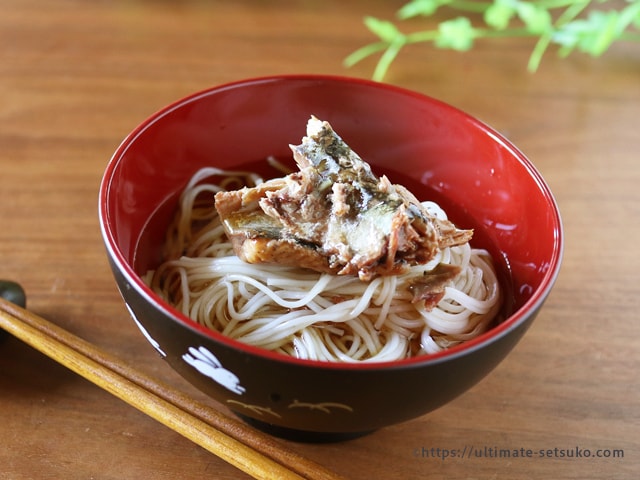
{"points": [[247, 449]]}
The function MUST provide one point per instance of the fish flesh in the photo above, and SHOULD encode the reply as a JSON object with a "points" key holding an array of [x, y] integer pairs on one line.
{"points": [[333, 215]]}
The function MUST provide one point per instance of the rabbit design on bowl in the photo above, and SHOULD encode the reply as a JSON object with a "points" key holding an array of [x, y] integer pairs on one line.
{"points": [[207, 364]]}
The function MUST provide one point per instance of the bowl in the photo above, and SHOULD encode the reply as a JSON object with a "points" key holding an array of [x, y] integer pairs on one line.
{"points": [[476, 174]]}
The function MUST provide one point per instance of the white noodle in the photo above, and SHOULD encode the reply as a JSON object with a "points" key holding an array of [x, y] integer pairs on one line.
{"points": [[312, 315]]}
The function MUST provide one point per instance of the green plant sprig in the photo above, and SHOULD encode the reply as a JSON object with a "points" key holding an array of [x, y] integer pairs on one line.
{"points": [[570, 25]]}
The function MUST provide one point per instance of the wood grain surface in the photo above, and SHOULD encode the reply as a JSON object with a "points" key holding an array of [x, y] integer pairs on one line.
{"points": [[76, 77]]}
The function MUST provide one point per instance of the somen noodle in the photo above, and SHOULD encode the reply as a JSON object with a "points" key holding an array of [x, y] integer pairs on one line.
{"points": [[307, 314]]}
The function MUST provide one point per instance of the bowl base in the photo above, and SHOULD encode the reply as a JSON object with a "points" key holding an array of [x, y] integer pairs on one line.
{"points": [[302, 436]]}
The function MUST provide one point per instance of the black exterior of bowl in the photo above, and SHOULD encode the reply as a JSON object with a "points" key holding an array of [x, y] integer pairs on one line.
{"points": [[315, 402]]}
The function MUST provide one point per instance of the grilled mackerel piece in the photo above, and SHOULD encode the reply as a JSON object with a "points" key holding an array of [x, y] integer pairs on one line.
{"points": [[334, 215]]}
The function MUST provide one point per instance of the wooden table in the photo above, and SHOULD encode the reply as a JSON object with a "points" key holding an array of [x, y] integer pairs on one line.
{"points": [[76, 77]]}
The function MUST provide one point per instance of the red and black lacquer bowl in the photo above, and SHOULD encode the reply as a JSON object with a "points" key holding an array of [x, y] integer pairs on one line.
{"points": [[438, 151]]}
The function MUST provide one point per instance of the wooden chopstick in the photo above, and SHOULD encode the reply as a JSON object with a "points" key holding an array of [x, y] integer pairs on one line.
{"points": [[249, 450]]}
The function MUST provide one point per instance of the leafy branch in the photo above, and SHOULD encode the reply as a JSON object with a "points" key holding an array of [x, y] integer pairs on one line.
{"points": [[568, 24]]}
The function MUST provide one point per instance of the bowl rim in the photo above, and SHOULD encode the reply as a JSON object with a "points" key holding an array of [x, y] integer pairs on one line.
{"points": [[512, 322]]}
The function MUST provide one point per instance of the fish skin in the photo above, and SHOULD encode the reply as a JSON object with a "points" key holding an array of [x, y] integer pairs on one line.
{"points": [[348, 220]]}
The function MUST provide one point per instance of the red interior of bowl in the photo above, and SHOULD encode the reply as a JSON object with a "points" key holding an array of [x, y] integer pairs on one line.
{"points": [[478, 176]]}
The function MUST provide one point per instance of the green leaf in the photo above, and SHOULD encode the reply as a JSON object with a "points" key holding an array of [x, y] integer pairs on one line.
{"points": [[499, 15], [457, 34], [593, 35], [420, 7], [537, 19], [385, 30], [604, 33], [630, 15]]}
